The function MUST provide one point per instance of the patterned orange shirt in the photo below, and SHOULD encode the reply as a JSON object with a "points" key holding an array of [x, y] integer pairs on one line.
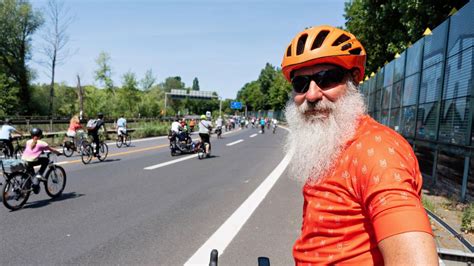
{"points": [[372, 193]]}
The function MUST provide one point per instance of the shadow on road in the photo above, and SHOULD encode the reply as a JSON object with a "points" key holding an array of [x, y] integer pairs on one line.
{"points": [[42, 203], [106, 161]]}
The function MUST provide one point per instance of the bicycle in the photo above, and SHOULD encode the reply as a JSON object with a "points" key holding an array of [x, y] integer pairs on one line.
{"points": [[201, 150], [69, 145], [89, 151], [17, 149], [18, 182], [214, 259], [124, 139], [4, 150]]}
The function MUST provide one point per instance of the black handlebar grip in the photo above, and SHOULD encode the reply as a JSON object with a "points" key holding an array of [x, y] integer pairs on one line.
{"points": [[214, 255], [263, 261]]}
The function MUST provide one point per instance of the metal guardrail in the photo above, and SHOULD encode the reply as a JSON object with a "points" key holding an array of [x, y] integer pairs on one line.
{"points": [[456, 255]]}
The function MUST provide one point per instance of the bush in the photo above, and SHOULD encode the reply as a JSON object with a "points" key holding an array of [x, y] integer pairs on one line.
{"points": [[151, 130], [467, 219]]}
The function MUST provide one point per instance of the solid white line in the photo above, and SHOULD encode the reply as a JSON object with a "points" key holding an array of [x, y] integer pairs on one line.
{"points": [[169, 162], [253, 135], [224, 235], [235, 142]]}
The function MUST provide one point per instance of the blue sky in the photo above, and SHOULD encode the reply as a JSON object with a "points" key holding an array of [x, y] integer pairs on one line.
{"points": [[224, 43]]}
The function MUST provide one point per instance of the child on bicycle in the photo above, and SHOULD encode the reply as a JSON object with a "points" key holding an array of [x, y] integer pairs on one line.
{"points": [[34, 148]]}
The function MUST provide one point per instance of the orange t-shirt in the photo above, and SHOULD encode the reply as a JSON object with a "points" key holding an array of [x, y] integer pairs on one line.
{"points": [[372, 193]]}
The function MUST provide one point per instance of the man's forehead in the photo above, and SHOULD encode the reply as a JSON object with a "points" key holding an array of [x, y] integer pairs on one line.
{"points": [[314, 69]]}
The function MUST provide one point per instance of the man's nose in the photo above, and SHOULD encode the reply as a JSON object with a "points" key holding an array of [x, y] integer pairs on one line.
{"points": [[314, 93]]}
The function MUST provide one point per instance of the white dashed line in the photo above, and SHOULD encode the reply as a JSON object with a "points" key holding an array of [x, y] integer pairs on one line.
{"points": [[169, 162], [235, 142], [253, 135]]}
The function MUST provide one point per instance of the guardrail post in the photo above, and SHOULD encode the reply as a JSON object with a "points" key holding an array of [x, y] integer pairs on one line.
{"points": [[434, 174], [465, 176]]}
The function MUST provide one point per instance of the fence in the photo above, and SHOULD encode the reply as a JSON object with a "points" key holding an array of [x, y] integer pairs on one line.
{"points": [[426, 94]]}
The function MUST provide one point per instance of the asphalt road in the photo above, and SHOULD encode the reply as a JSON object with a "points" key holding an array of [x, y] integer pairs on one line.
{"points": [[117, 212]]}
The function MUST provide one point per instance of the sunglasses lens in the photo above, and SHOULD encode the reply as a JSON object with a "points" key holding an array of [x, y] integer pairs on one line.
{"points": [[329, 78], [300, 83]]}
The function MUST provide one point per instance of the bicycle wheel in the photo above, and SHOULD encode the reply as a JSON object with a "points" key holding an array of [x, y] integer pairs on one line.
{"points": [[86, 154], [128, 140], [16, 191], [55, 181], [67, 150], [5, 153], [119, 141], [103, 151]]}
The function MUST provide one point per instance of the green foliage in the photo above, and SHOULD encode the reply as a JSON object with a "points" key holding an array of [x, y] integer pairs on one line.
{"points": [[269, 91], [9, 100], [428, 204], [387, 27], [18, 22], [104, 72], [172, 83], [151, 130], [195, 84], [467, 222], [148, 80], [280, 91]]}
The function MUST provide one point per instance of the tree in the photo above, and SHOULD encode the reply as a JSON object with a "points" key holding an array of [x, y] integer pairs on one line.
{"points": [[388, 27], [55, 40], [104, 73], [18, 22], [148, 80], [128, 95], [279, 92], [195, 84], [173, 83]]}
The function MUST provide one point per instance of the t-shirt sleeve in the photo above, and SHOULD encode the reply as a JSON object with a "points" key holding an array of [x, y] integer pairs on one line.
{"points": [[390, 187]]}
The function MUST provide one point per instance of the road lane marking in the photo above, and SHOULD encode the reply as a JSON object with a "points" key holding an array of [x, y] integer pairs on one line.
{"points": [[235, 142], [169, 162], [224, 235], [253, 135], [119, 153]]}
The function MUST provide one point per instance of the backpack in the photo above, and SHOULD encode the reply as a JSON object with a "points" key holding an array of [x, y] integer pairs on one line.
{"points": [[91, 124]]}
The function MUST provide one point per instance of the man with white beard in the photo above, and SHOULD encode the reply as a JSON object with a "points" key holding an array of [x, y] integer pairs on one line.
{"points": [[362, 183]]}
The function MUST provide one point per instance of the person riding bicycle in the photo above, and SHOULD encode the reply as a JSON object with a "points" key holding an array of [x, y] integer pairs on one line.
{"points": [[121, 125], [31, 155], [362, 182], [74, 126], [262, 124], [205, 127], [93, 127], [6, 135]]}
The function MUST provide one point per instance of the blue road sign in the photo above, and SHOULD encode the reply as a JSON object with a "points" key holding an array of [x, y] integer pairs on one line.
{"points": [[235, 105]]}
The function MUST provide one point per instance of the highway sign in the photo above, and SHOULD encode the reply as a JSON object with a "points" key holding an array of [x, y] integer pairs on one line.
{"points": [[235, 105]]}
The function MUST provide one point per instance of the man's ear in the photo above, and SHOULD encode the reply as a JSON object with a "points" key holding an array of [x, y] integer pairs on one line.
{"points": [[355, 75]]}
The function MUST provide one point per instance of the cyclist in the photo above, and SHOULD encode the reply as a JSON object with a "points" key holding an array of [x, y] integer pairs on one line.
{"points": [[6, 135], [121, 126], [262, 125], [74, 125], [362, 183], [33, 149], [205, 127], [93, 127], [192, 123]]}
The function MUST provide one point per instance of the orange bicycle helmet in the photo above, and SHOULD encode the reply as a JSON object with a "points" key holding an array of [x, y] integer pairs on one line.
{"points": [[324, 45]]}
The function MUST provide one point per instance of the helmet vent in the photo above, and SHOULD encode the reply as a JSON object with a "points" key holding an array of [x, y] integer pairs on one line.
{"points": [[356, 51], [301, 43], [319, 39], [341, 39], [288, 51], [346, 46]]}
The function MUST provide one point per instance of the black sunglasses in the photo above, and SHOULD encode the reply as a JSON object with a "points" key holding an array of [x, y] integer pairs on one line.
{"points": [[325, 79]]}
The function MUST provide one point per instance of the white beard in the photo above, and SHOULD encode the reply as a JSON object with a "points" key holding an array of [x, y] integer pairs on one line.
{"points": [[318, 141]]}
